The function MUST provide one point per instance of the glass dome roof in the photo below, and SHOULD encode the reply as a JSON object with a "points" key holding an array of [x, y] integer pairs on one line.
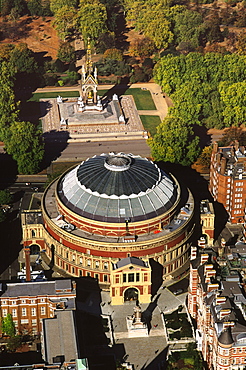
{"points": [[115, 187]]}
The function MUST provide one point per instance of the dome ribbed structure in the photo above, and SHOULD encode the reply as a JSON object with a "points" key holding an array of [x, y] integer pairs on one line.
{"points": [[115, 187]]}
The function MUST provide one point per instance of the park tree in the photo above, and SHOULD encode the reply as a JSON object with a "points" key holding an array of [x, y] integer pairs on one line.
{"points": [[66, 52], [5, 197], [142, 48], [152, 22], [8, 326], [105, 41], [65, 21], [14, 343], [92, 17], [205, 89], [17, 7], [192, 102], [204, 158], [189, 28], [25, 146], [55, 5], [159, 31], [115, 16], [234, 68], [212, 28], [241, 44], [2, 215], [174, 142], [5, 51], [8, 109], [114, 54], [35, 7], [6, 6], [22, 59], [234, 99], [232, 134]]}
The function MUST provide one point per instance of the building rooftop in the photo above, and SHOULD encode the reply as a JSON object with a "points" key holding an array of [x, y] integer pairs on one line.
{"points": [[117, 187], [41, 288], [180, 219], [130, 260], [59, 336]]}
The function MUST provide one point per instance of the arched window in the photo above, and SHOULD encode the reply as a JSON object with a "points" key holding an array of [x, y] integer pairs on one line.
{"points": [[33, 233], [34, 249]]}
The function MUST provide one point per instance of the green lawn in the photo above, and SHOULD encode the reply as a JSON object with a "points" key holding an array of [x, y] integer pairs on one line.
{"points": [[64, 94], [150, 123], [143, 98]]}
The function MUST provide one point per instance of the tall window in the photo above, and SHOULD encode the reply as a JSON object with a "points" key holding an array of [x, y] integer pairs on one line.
{"points": [[23, 311], [33, 311], [5, 312], [43, 310], [14, 312], [130, 277]]}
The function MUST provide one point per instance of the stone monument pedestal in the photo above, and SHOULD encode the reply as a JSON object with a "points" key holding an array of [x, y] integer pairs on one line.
{"points": [[136, 328]]}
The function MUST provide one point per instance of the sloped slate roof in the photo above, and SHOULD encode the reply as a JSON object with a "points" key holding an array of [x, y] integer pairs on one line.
{"points": [[130, 260], [225, 337]]}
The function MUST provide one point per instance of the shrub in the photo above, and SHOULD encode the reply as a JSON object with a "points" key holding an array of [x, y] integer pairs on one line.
{"points": [[175, 335], [113, 54], [66, 52]]}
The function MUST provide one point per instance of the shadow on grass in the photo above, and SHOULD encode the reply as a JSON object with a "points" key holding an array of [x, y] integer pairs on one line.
{"points": [[118, 89], [32, 111]]}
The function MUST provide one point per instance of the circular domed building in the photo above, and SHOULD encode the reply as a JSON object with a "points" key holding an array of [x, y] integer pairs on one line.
{"points": [[113, 208]]}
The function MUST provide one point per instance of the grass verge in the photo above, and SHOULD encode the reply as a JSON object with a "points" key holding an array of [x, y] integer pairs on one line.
{"points": [[150, 123], [64, 94], [143, 98]]}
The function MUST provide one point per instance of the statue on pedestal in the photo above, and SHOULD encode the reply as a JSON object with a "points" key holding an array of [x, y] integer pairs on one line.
{"points": [[59, 99], [136, 327]]}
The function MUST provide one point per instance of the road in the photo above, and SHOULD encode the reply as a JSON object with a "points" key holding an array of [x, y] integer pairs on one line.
{"points": [[81, 151]]}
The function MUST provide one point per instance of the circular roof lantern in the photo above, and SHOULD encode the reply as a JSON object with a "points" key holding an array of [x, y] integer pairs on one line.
{"points": [[115, 187]]}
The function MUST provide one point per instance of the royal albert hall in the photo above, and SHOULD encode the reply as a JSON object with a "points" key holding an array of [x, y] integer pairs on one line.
{"points": [[110, 207]]}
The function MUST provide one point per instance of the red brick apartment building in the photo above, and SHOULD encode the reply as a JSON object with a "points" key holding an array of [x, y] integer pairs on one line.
{"points": [[31, 302], [228, 179], [217, 305]]}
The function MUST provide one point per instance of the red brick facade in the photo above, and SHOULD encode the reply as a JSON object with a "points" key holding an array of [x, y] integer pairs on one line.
{"points": [[228, 180]]}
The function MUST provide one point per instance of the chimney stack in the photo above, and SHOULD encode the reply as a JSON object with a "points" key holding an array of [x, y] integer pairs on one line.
{"points": [[223, 166], [27, 261], [215, 146]]}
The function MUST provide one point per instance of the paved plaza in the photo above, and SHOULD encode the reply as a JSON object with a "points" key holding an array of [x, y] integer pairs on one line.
{"points": [[86, 128], [147, 352]]}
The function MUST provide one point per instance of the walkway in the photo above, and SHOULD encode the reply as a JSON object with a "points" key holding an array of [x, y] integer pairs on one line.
{"points": [[146, 352], [161, 103]]}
